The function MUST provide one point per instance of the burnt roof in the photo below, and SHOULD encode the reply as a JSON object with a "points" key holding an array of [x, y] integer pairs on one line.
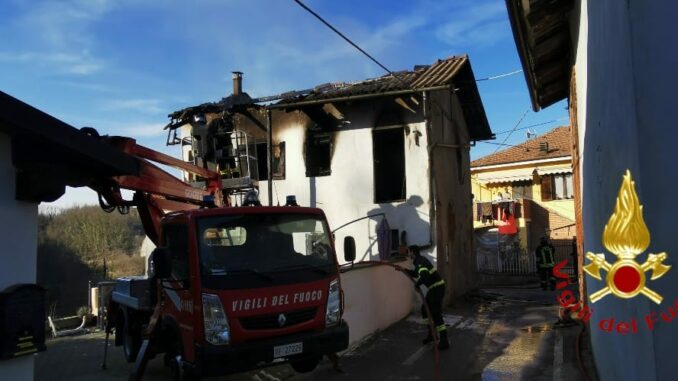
{"points": [[440, 73], [455, 70], [559, 145]]}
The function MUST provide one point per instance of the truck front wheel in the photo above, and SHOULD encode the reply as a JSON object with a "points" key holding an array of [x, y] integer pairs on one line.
{"points": [[305, 365]]}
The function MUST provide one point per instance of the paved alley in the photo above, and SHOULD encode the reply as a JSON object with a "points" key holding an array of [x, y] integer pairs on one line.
{"points": [[490, 331]]}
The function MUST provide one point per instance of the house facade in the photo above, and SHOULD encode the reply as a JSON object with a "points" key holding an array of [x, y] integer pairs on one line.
{"points": [[536, 176], [387, 160], [611, 60], [39, 156]]}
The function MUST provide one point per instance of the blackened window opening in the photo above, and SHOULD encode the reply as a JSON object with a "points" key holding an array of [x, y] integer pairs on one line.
{"points": [[262, 163], [388, 147], [278, 161], [318, 153]]}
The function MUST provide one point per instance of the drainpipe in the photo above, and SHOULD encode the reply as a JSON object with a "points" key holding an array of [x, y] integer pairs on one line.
{"points": [[269, 147], [431, 172]]}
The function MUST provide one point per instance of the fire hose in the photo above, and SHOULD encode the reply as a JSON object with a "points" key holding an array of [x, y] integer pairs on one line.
{"points": [[431, 327]]}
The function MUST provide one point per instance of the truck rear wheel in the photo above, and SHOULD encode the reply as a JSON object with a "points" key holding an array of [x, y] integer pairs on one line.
{"points": [[131, 341], [305, 365]]}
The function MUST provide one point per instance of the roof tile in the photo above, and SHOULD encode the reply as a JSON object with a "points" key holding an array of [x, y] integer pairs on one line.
{"points": [[559, 145], [439, 74]]}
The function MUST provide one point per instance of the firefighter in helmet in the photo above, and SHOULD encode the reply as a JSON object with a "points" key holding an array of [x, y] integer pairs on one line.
{"points": [[545, 253], [426, 275]]}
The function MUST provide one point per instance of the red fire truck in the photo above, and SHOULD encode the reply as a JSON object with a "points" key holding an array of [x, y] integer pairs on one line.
{"points": [[229, 288]]}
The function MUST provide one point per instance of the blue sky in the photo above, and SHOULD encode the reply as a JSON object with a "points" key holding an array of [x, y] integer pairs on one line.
{"points": [[122, 65]]}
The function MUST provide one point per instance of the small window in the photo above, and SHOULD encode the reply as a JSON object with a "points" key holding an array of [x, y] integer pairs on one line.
{"points": [[521, 189], [278, 161], [318, 153], [557, 187], [388, 147], [176, 240], [546, 188]]}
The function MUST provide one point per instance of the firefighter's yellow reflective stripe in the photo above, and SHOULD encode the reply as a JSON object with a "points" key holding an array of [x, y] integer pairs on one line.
{"points": [[438, 283], [422, 269], [440, 328]]}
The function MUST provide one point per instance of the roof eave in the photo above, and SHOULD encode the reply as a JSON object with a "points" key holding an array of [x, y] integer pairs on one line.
{"points": [[516, 18], [518, 163]]}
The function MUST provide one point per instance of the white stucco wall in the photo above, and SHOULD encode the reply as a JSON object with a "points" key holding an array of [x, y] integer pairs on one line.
{"points": [[18, 234], [626, 84], [348, 193], [375, 297]]}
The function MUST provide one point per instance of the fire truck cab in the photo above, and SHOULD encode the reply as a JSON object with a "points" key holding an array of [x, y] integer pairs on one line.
{"points": [[238, 288], [229, 288]]}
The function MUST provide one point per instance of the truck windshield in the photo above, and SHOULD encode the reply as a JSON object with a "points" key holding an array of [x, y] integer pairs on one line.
{"points": [[259, 244]]}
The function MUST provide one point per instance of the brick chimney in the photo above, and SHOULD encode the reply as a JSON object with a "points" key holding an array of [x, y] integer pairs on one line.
{"points": [[237, 83]]}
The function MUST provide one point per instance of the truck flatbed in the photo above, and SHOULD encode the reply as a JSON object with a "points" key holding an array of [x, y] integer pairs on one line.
{"points": [[133, 292]]}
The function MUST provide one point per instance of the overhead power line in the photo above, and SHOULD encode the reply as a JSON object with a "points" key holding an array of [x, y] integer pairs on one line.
{"points": [[532, 125], [335, 30], [309, 10], [497, 144], [514, 128], [499, 75]]}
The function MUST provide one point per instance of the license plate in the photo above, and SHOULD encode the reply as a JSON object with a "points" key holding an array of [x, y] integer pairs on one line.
{"points": [[288, 350]]}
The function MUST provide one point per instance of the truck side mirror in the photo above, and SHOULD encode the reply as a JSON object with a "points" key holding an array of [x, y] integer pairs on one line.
{"points": [[349, 249], [162, 262]]}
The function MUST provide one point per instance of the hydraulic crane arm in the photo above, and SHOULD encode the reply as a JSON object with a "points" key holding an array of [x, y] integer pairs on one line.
{"points": [[157, 191]]}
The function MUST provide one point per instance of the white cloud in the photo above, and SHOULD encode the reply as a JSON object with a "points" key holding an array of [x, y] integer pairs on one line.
{"points": [[146, 106], [80, 63], [478, 24], [60, 35], [141, 130]]}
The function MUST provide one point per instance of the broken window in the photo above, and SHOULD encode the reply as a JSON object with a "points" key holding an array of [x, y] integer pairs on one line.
{"points": [[318, 153], [388, 147], [278, 161]]}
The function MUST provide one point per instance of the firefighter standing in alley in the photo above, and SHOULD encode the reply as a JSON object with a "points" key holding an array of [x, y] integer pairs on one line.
{"points": [[426, 275], [545, 253]]}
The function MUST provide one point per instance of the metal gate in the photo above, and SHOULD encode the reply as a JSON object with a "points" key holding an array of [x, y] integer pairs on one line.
{"points": [[564, 250], [503, 254], [500, 253]]}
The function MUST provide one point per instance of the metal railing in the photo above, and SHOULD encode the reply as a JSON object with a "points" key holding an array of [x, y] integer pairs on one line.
{"points": [[507, 259], [514, 260]]}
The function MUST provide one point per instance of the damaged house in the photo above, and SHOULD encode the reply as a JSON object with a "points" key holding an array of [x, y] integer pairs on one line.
{"points": [[386, 159]]}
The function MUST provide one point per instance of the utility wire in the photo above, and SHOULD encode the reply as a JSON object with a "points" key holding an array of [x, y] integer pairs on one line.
{"points": [[498, 144], [514, 128], [532, 125], [499, 75], [309, 10], [335, 30]]}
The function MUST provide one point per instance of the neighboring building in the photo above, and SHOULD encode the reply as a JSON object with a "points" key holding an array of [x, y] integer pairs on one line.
{"points": [[536, 178], [613, 61], [393, 148], [39, 156]]}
